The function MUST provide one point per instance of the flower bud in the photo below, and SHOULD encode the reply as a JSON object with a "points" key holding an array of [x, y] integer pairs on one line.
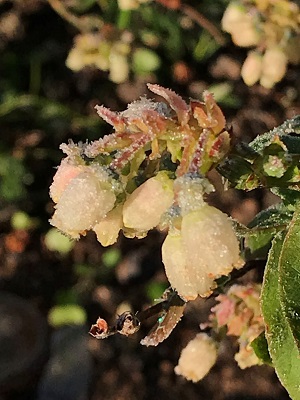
{"points": [[84, 202], [273, 67], [197, 358], [144, 207], [107, 230], [251, 69], [204, 249]]}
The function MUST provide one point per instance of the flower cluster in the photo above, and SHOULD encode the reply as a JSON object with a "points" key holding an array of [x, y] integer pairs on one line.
{"points": [[273, 28], [151, 173], [106, 50], [239, 311]]}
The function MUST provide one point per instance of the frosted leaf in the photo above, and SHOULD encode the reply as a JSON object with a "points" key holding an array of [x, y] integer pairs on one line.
{"points": [[84, 202], [137, 108], [174, 100], [144, 207], [197, 358], [107, 230]]}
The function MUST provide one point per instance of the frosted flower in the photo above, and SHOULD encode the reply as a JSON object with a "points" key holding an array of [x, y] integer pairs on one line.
{"points": [[144, 207], [64, 174], [205, 248], [86, 200], [197, 358]]}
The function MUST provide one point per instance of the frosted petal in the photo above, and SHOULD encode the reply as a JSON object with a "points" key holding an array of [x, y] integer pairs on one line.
{"points": [[175, 265], [83, 203]]}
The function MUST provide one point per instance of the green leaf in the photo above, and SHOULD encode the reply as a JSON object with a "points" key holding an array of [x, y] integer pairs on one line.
{"points": [[71, 314], [282, 347], [260, 347], [56, 241], [111, 257], [145, 61], [289, 276], [263, 228]]}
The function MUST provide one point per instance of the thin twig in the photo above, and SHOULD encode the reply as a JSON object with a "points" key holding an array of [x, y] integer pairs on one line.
{"points": [[80, 23], [197, 17]]}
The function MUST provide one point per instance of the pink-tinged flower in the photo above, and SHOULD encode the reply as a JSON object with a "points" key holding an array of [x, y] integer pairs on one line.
{"points": [[85, 200], [239, 311], [197, 358], [64, 174], [144, 207]]}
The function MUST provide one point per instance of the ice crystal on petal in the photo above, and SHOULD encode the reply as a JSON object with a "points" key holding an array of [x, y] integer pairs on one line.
{"points": [[83, 203]]}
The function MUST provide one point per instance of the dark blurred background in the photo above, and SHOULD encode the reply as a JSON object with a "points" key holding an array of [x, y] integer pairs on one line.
{"points": [[51, 289]]}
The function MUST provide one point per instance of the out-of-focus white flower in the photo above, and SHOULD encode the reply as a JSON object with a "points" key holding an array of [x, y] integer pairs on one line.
{"points": [[85, 200], [252, 67], [197, 358], [274, 66], [143, 209], [131, 4], [241, 25]]}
